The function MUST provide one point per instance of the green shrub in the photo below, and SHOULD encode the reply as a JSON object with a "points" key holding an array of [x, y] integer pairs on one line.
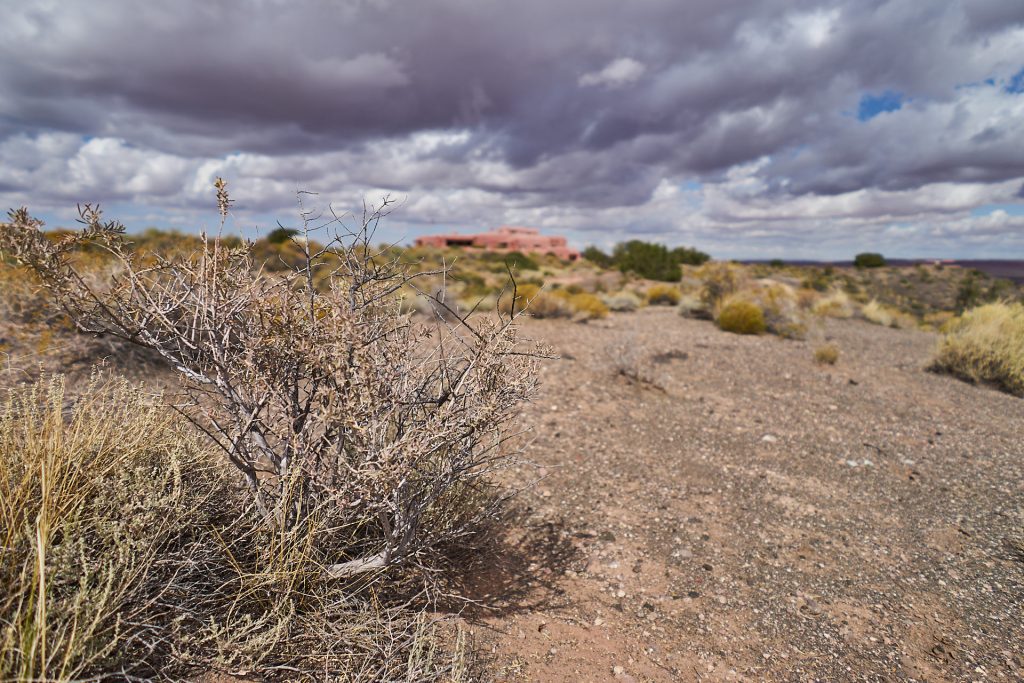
{"points": [[869, 260], [651, 261], [663, 295], [690, 256], [986, 344], [281, 235], [474, 286], [517, 259], [598, 257], [742, 317]]}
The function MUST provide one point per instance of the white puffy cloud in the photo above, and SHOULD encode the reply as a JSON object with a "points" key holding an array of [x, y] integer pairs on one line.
{"points": [[616, 74]]}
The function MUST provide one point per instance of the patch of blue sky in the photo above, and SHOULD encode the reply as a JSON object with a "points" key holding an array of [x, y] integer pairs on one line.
{"points": [[871, 106], [989, 209], [1016, 83]]}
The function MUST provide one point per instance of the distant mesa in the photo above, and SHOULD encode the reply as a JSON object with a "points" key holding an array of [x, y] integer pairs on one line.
{"points": [[504, 239]]}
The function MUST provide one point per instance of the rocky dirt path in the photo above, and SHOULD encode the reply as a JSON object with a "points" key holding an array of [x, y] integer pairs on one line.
{"points": [[717, 507]]}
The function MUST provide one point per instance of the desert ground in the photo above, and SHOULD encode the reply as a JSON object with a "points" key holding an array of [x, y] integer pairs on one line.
{"points": [[716, 507]]}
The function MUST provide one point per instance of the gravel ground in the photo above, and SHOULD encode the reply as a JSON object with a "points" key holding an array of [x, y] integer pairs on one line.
{"points": [[718, 507]]}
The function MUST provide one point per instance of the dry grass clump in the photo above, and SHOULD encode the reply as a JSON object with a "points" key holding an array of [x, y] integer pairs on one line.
{"points": [[131, 554], [623, 301], [719, 280], [536, 302], [836, 304], [886, 316], [986, 344], [24, 300], [663, 295], [692, 306], [782, 312], [586, 306], [826, 354], [91, 505], [741, 316], [555, 303]]}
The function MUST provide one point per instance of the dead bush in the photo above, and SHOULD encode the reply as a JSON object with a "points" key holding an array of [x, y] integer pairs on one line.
{"points": [[333, 406]]}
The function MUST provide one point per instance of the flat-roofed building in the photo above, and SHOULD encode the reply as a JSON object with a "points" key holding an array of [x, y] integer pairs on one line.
{"points": [[504, 239]]}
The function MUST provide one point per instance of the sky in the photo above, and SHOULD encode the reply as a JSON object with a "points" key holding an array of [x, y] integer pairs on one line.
{"points": [[750, 129]]}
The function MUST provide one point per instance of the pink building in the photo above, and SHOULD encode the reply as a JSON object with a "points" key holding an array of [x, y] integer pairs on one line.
{"points": [[506, 238]]}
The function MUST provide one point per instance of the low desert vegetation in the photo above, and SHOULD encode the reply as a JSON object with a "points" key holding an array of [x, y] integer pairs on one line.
{"points": [[663, 295], [826, 354], [886, 316], [741, 316], [836, 304], [986, 345], [354, 457], [718, 281], [623, 301], [586, 306]]}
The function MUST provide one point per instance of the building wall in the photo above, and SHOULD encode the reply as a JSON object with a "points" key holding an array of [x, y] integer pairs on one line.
{"points": [[505, 239]]}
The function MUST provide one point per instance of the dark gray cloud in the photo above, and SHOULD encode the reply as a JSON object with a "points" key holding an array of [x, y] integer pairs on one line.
{"points": [[569, 113]]}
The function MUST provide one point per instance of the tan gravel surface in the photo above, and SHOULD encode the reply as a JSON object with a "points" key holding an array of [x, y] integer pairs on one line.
{"points": [[717, 507]]}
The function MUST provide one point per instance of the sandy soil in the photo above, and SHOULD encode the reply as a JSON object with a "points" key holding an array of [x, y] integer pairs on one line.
{"points": [[717, 507]]}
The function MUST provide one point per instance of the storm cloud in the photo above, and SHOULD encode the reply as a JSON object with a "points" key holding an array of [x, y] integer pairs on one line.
{"points": [[766, 128]]}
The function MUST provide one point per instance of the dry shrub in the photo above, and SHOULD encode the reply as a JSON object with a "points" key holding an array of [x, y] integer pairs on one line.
{"points": [[534, 301], [663, 295], [986, 344], [634, 364], [719, 280], [741, 316], [131, 554], [782, 313], [692, 306], [938, 320], [586, 306], [836, 304], [880, 314], [826, 354], [333, 406], [806, 298], [623, 301], [23, 298], [90, 506]]}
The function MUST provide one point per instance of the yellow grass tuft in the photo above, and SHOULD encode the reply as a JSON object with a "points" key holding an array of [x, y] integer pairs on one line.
{"points": [[742, 317], [663, 295], [986, 344], [880, 314]]}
